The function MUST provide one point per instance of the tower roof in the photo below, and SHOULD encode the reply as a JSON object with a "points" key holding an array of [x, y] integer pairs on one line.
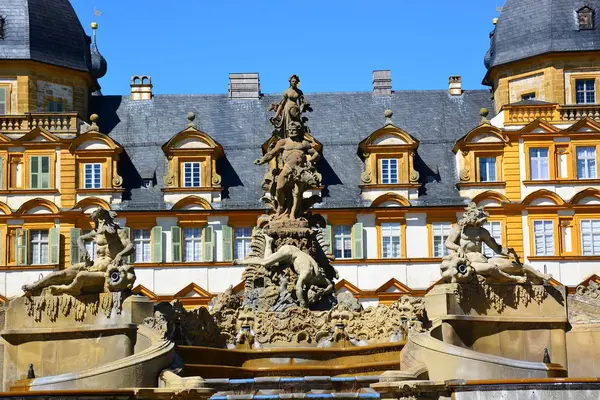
{"points": [[44, 31], [528, 28]]}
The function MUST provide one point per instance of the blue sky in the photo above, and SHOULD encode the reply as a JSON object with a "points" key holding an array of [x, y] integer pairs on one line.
{"points": [[190, 46]]}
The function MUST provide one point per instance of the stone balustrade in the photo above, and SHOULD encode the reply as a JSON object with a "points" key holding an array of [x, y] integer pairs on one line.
{"points": [[553, 113], [63, 122]]}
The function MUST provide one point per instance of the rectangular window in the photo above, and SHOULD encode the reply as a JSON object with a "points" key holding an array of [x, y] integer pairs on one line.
{"points": [[55, 106], [487, 169], [191, 174], [141, 243], [192, 244], [528, 96], [389, 170], [440, 232], [92, 175], [38, 247], [495, 230], [590, 237], [543, 234], [390, 240], [342, 241], [90, 246], [3, 100], [586, 163], [585, 91], [538, 162], [39, 172], [242, 239]]}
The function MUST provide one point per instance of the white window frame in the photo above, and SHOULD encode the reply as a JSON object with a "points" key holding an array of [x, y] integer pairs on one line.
{"points": [[387, 165], [342, 241], [194, 176], [593, 231], [489, 170], [192, 237], [495, 230], [142, 245], [543, 230], [95, 170], [388, 231], [439, 234], [242, 236], [585, 91], [37, 240], [538, 158], [589, 172]]}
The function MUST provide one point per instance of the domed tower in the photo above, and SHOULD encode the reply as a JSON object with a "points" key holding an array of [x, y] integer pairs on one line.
{"points": [[46, 62], [545, 50]]}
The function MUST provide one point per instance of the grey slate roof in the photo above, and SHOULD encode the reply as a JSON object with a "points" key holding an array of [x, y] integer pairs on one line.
{"points": [[528, 28], [339, 121], [47, 31]]}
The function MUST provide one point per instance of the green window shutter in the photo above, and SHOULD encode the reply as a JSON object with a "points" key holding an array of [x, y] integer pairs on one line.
{"points": [[44, 172], [1, 173], [156, 255], [227, 243], [207, 235], [328, 237], [128, 259], [21, 246], [34, 174], [176, 243], [75, 255], [54, 246], [357, 238]]}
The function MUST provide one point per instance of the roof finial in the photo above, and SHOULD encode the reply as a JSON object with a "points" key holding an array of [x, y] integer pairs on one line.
{"points": [[94, 126], [484, 112], [191, 117], [388, 117], [94, 26]]}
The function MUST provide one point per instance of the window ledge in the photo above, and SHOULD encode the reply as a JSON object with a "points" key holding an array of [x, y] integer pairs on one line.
{"points": [[99, 191], [28, 267], [29, 191], [481, 184], [192, 189], [391, 186], [564, 258], [563, 182]]}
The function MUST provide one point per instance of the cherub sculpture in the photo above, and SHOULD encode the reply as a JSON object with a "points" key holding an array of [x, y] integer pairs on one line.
{"points": [[105, 273], [467, 259]]}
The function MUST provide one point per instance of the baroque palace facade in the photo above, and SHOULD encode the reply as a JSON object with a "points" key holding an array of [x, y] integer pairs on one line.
{"points": [[398, 167]]}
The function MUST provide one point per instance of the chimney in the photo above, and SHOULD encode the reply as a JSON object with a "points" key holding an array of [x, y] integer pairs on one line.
{"points": [[382, 82], [141, 87], [455, 85], [244, 86]]}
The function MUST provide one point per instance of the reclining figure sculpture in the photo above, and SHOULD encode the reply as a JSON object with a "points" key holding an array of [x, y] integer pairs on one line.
{"points": [[105, 274], [467, 260]]}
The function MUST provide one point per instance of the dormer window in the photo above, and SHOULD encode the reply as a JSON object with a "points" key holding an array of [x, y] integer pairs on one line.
{"points": [[191, 174], [148, 183], [389, 171], [585, 17]]}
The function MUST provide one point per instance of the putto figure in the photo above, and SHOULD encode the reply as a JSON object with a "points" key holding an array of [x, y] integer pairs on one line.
{"points": [[467, 259], [105, 273]]}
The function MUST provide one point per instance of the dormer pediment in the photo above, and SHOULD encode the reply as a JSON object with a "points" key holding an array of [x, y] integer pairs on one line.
{"points": [[485, 135], [94, 141], [389, 135], [193, 139]]}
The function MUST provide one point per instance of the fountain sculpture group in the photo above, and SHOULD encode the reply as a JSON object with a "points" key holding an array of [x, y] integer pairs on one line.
{"points": [[289, 296]]}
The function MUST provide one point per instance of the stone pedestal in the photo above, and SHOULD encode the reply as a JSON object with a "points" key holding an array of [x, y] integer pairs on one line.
{"points": [[512, 321], [66, 335]]}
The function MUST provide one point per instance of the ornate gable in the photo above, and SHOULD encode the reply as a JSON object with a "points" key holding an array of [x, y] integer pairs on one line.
{"points": [[389, 154], [483, 137]]}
